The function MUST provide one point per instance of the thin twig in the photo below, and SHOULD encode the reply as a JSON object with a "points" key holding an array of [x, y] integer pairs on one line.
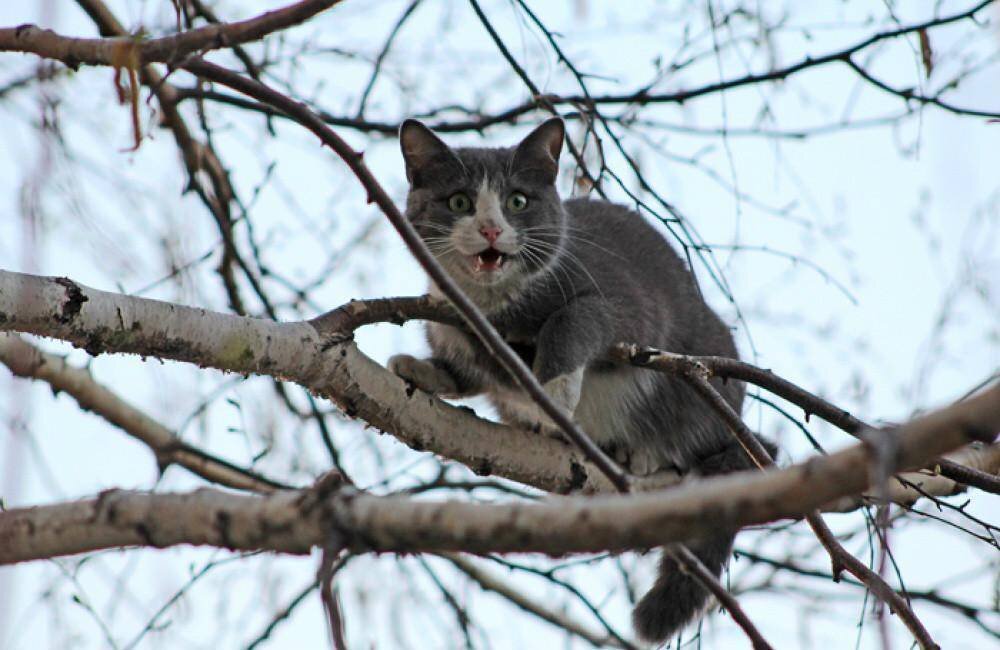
{"points": [[333, 560], [696, 375], [690, 563], [492, 583]]}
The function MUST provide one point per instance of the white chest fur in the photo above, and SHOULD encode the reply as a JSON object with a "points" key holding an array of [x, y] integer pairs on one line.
{"points": [[607, 398]]}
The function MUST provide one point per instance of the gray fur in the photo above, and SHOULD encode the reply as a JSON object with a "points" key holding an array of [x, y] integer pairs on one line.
{"points": [[578, 276]]}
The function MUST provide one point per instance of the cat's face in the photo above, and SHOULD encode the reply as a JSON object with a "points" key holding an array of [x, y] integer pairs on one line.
{"points": [[490, 216]]}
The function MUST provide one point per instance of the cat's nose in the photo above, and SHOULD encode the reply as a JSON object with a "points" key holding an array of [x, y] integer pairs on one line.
{"points": [[491, 233]]}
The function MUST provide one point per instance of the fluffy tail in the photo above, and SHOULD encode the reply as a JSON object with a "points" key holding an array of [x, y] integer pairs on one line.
{"points": [[676, 598]]}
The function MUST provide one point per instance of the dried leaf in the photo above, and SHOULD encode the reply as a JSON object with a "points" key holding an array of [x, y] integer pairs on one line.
{"points": [[126, 57], [926, 53]]}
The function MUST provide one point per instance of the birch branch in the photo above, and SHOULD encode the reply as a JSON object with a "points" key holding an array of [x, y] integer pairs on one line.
{"points": [[295, 521], [909, 487], [105, 322], [327, 363]]}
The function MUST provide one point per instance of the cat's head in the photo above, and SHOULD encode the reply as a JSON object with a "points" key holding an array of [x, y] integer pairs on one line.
{"points": [[491, 216]]}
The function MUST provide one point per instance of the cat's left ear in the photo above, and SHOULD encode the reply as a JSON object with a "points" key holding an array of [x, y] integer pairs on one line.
{"points": [[540, 149]]}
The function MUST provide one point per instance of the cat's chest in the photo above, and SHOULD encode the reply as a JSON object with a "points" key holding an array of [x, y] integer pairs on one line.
{"points": [[523, 342], [463, 346]]}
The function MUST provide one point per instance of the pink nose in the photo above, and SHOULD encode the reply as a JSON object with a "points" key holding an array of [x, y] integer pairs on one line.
{"points": [[491, 233]]}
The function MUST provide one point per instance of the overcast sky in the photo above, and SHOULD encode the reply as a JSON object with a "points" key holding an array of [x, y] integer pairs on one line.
{"points": [[892, 306]]}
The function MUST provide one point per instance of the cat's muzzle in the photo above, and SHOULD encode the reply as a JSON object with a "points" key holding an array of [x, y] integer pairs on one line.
{"points": [[488, 261]]}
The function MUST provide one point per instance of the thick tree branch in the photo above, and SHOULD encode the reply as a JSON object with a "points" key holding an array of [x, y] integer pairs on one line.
{"points": [[976, 466], [909, 487], [326, 362], [294, 521], [105, 322]]}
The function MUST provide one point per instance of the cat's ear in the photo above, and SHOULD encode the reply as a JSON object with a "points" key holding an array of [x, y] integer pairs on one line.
{"points": [[420, 148], [540, 149]]}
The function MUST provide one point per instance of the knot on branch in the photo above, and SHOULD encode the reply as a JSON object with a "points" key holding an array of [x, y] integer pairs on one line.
{"points": [[326, 485], [74, 300]]}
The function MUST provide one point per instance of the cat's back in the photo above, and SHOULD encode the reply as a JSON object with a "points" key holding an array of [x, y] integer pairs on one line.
{"points": [[644, 279], [620, 242]]}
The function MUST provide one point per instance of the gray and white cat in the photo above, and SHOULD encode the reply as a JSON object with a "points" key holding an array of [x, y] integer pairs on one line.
{"points": [[562, 281]]}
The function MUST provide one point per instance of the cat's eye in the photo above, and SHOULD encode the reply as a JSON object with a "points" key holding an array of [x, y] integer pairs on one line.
{"points": [[517, 202], [459, 202]]}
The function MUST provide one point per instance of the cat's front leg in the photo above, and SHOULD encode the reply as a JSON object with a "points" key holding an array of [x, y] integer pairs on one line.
{"points": [[567, 343], [564, 391]]}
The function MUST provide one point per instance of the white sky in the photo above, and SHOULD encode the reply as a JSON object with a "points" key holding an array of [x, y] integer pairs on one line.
{"points": [[911, 235]]}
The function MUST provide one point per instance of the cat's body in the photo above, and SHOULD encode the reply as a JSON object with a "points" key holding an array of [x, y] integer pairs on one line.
{"points": [[562, 281], [630, 287]]}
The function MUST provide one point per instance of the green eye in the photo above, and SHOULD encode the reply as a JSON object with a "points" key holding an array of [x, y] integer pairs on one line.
{"points": [[459, 202], [517, 202]]}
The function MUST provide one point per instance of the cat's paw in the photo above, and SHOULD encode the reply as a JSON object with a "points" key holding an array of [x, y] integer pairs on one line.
{"points": [[423, 374]]}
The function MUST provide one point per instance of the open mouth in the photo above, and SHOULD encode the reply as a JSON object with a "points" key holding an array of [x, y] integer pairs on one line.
{"points": [[488, 260]]}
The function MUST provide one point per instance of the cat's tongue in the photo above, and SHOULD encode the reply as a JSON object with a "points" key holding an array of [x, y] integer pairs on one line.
{"points": [[489, 260]]}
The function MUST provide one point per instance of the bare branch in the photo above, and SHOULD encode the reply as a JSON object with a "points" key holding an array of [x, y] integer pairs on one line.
{"points": [[25, 360], [136, 51], [294, 521], [690, 563], [696, 375], [726, 368], [643, 96], [490, 582]]}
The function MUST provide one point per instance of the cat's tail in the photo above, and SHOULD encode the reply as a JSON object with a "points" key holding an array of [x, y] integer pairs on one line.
{"points": [[676, 598]]}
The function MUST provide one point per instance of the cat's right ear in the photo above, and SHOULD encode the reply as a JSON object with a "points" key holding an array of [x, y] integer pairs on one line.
{"points": [[421, 148]]}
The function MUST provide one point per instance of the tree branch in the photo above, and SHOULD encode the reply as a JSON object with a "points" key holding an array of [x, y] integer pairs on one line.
{"points": [[690, 563], [697, 376], [641, 96], [490, 582], [25, 360], [136, 51], [726, 368], [295, 521], [325, 362]]}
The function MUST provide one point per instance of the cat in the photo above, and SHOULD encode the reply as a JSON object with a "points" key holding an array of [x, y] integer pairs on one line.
{"points": [[562, 281]]}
